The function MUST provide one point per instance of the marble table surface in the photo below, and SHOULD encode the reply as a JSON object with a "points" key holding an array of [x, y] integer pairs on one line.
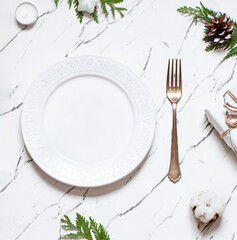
{"points": [[144, 205]]}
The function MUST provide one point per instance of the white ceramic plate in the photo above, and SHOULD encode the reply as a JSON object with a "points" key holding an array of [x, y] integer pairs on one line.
{"points": [[88, 121]]}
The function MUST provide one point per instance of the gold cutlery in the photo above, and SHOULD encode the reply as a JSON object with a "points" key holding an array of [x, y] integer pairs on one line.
{"points": [[174, 93]]}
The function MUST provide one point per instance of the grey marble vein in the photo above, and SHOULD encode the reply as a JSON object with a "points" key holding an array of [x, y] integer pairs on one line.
{"points": [[18, 164], [12, 39], [61, 33], [81, 42], [6, 186], [66, 193], [23, 28], [49, 11], [57, 204], [77, 44], [185, 37], [93, 38], [213, 74], [161, 106], [131, 41], [197, 144], [189, 97], [134, 7], [17, 169], [193, 92], [106, 47], [228, 80], [171, 215], [166, 44], [138, 203], [12, 110], [203, 139], [25, 51], [13, 91], [201, 161], [33, 220], [31, 41], [232, 192], [147, 62], [80, 203]]}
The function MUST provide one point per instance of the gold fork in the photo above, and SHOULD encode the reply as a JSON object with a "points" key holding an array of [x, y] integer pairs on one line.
{"points": [[174, 93]]}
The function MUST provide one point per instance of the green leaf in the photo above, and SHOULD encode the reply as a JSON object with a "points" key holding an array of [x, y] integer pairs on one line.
{"points": [[68, 224], [98, 230], [209, 48], [85, 229], [83, 224], [79, 14], [70, 3], [112, 9], [56, 2], [231, 53], [102, 2], [71, 236], [119, 10], [95, 15], [198, 13]]}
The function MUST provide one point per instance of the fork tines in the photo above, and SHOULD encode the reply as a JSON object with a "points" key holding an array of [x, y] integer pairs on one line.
{"points": [[172, 81]]}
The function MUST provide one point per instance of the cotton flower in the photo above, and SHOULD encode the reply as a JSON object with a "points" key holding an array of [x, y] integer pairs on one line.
{"points": [[87, 5], [207, 206]]}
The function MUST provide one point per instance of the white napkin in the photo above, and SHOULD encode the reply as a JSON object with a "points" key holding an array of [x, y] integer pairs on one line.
{"points": [[216, 115]]}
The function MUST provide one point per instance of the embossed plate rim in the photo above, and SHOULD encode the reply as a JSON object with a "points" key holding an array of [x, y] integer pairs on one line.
{"points": [[119, 74]]}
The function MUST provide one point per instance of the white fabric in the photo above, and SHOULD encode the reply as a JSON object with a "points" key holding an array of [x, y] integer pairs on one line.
{"points": [[216, 115]]}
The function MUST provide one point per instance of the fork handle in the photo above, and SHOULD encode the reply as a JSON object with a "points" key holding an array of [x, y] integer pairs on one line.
{"points": [[174, 170]]}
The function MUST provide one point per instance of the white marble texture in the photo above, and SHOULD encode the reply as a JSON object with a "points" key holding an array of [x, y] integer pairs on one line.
{"points": [[144, 205]]}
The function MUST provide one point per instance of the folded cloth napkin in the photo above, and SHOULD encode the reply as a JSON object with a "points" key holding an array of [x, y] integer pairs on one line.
{"points": [[222, 119]]}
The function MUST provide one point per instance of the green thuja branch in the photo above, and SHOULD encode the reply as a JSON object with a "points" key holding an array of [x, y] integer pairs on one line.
{"points": [[56, 2], [199, 13], [95, 15], [85, 229], [69, 3], [104, 4], [203, 14], [112, 6], [79, 14]]}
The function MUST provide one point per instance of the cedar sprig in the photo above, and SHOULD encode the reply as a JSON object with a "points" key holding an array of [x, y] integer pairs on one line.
{"points": [[104, 5], [85, 229], [203, 14], [199, 13], [111, 4], [79, 14], [95, 15]]}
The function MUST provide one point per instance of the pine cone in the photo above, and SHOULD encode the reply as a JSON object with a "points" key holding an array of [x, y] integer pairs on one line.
{"points": [[220, 29]]}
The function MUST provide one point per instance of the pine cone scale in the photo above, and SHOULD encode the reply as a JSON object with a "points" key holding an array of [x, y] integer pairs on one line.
{"points": [[222, 18], [219, 29]]}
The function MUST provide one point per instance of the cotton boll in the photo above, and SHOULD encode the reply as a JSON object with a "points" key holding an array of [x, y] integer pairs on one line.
{"points": [[199, 198], [204, 213], [207, 206], [87, 5]]}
